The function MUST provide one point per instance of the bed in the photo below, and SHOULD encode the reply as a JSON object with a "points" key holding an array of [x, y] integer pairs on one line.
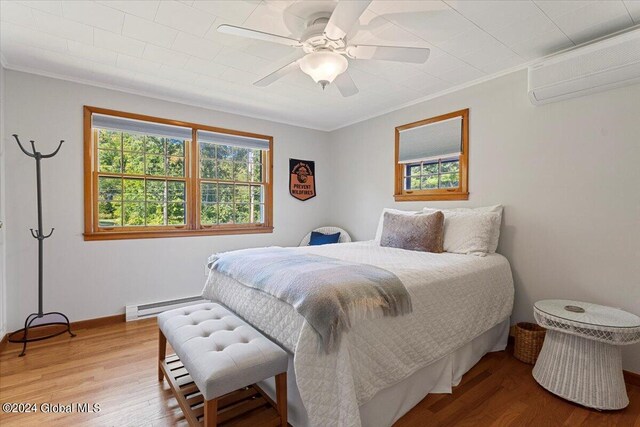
{"points": [[383, 367]]}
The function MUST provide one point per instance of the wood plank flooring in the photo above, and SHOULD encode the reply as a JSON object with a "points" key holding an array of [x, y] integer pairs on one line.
{"points": [[115, 367]]}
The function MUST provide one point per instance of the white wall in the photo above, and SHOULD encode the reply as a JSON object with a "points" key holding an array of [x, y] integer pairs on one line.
{"points": [[94, 279], [3, 299], [567, 173]]}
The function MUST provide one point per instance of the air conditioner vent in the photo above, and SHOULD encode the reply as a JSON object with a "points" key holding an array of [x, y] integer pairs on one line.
{"points": [[602, 65]]}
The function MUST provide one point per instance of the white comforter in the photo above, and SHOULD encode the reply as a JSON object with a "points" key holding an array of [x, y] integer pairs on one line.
{"points": [[455, 298]]}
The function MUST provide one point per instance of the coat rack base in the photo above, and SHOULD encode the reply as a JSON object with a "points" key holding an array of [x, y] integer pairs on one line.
{"points": [[38, 321]]}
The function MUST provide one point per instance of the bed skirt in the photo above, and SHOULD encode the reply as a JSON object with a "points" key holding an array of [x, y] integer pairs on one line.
{"points": [[388, 405]]}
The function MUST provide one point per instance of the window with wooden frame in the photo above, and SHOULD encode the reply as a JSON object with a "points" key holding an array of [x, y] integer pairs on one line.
{"points": [[432, 158], [151, 177]]}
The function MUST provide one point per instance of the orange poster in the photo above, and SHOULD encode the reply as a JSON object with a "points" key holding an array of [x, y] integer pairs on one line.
{"points": [[302, 183]]}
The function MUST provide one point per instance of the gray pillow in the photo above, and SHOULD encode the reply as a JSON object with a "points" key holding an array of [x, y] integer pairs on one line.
{"points": [[420, 232]]}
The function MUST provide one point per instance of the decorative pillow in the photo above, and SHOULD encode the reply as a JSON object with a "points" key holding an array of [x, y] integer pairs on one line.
{"points": [[471, 231], [413, 232], [323, 239], [394, 211]]}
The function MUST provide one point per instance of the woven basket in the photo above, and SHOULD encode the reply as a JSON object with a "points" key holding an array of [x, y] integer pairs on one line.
{"points": [[529, 338]]}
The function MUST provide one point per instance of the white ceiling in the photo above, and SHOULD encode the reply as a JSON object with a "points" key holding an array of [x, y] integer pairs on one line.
{"points": [[171, 49]]}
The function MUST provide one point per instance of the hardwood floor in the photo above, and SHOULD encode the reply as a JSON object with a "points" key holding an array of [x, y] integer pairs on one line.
{"points": [[115, 367]]}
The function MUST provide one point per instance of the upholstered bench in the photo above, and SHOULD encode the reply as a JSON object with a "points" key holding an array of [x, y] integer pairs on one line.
{"points": [[218, 360]]}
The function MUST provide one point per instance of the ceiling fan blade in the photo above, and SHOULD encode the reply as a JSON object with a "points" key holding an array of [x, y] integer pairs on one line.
{"points": [[346, 85], [258, 35], [279, 73], [416, 55], [343, 17]]}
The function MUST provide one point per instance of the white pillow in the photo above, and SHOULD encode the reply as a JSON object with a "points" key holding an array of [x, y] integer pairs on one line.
{"points": [[471, 231], [394, 211]]}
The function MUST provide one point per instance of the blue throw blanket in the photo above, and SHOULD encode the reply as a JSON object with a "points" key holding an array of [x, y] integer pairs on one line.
{"points": [[327, 292]]}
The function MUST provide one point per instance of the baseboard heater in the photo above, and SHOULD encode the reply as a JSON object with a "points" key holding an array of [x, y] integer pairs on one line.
{"points": [[142, 311]]}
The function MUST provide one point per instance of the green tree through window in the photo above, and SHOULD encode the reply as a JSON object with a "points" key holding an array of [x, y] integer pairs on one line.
{"points": [[442, 173], [141, 180], [231, 185]]}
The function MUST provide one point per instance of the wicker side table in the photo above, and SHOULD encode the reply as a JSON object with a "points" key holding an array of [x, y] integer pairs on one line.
{"points": [[581, 359]]}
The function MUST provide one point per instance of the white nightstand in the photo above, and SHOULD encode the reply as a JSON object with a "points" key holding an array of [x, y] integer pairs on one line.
{"points": [[581, 359]]}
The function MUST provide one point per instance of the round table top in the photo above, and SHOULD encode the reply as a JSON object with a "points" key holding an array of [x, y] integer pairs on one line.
{"points": [[593, 314]]}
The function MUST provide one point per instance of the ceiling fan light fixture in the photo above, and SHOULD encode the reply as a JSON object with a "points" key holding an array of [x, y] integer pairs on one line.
{"points": [[323, 66]]}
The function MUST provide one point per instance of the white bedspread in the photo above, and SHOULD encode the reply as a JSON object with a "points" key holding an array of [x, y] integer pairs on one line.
{"points": [[455, 299]]}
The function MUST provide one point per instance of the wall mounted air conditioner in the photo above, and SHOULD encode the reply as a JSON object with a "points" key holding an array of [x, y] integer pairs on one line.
{"points": [[602, 65]]}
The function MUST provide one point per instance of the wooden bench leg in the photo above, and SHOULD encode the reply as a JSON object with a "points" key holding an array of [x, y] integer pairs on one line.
{"points": [[211, 413], [281, 397], [162, 352]]}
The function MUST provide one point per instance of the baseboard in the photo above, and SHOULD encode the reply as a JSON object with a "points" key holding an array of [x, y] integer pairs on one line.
{"points": [[79, 324], [4, 341], [98, 321], [631, 378]]}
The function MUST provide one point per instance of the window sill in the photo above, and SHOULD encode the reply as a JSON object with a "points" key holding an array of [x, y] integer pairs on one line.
{"points": [[415, 197], [155, 234]]}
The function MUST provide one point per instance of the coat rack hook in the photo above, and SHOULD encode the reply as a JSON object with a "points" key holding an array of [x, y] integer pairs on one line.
{"points": [[34, 233], [46, 156], [48, 235], [22, 148]]}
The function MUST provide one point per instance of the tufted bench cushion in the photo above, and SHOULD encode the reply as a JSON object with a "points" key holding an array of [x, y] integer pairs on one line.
{"points": [[221, 352]]}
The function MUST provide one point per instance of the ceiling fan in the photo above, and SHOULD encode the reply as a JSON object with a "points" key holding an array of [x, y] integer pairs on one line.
{"points": [[325, 48]]}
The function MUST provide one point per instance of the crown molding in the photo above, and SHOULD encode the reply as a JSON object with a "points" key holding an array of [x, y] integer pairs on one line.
{"points": [[149, 94], [238, 111]]}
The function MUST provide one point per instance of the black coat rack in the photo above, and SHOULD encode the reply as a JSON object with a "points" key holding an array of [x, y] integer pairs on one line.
{"points": [[40, 319]]}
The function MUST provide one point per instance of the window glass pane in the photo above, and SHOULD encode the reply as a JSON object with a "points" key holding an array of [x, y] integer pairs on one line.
{"points": [[256, 172], [155, 213], [154, 145], [109, 189], [257, 213], [109, 140], [452, 166], [256, 194], [207, 168], [155, 165], [207, 150], [176, 166], [133, 163], [155, 190], [225, 170], [175, 213], [133, 142], [209, 192], [412, 183], [225, 193], [109, 161], [176, 191], [429, 168], [242, 194], [209, 213], [225, 213], [255, 156], [133, 213], [429, 182], [413, 170], [134, 190], [240, 172], [175, 147], [242, 213], [109, 214], [449, 180], [240, 154], [224, 152]]}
